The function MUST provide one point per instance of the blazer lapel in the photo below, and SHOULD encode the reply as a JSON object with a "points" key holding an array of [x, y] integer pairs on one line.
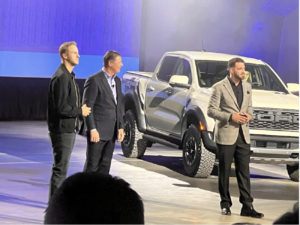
{"points": [[244, 92], [230, 91], [108, 89]]}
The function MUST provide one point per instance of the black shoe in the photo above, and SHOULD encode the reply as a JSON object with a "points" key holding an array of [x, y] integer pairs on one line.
{"points": [[226, 211], [250, 211]]}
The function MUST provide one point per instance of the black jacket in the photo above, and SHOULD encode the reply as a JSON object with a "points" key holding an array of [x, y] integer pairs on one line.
{"points": [[105, 115], [63, 102]]}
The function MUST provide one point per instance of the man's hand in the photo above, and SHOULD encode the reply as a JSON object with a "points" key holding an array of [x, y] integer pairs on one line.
{"points": [[95, 137], [120, 135], [249, 117], [238, 118], [85, 110]]}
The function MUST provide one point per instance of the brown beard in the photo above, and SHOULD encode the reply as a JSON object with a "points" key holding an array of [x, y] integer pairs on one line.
{"points": [[236, 76]]}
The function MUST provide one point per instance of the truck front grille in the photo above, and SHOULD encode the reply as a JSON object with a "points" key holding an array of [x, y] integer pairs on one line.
{"points": [[275, 119]]}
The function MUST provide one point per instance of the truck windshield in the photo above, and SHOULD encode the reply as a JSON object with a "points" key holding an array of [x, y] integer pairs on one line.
{"points": [[261, 77]]}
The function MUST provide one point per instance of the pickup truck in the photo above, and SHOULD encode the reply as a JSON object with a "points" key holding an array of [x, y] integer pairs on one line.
{"points": [[169, 107]]}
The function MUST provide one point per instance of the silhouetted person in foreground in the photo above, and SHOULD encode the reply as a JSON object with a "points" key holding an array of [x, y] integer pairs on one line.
{"points": [[95, 198], [290, 217]]}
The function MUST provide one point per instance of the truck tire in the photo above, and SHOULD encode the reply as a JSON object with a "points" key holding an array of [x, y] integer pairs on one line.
{"points": [[197, 160], [293, 171], [133, 145]]}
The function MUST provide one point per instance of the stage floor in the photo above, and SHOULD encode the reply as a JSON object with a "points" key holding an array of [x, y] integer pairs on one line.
{"points": [[169, 196]]}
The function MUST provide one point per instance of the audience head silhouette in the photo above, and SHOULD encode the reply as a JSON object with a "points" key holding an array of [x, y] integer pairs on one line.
{"points": [[94, 198], [290, 217]]}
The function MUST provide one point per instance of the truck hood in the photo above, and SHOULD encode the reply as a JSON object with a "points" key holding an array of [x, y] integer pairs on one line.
{"points": [[269, 99]]}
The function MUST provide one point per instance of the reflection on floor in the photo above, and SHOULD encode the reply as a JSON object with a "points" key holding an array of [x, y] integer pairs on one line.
{"points": [[169, 196]]}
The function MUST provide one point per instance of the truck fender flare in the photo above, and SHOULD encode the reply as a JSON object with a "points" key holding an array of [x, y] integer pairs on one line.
{"points": [[131, 96], [196, 112]]}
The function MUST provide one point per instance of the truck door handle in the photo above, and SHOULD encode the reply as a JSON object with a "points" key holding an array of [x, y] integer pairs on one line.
{"points": [[151, 88]]}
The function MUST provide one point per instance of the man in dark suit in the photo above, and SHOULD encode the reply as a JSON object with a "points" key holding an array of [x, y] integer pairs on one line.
{"points": [[230, 105], [102, 92], [63, 111]]}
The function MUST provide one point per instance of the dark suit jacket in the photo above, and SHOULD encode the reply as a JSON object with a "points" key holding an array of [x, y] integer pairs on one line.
{"points": [[105, 115]]}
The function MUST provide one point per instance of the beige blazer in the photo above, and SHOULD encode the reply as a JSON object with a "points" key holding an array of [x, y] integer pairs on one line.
{"points": [[222, 104]]}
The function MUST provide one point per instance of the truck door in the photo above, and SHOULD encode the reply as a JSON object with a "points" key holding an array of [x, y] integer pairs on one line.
{"points": [[156, 93], [176, 100]]}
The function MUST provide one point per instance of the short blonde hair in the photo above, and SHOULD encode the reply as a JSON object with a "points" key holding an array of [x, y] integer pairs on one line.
{"points": [[64, 47]]}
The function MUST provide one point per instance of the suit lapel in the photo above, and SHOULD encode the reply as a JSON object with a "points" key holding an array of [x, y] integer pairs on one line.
{"points": [[230, 91], [108, 89], [117, 88]]}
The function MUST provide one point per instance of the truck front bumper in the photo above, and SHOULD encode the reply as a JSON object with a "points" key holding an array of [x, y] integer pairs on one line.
{"points": [[274, 149]]}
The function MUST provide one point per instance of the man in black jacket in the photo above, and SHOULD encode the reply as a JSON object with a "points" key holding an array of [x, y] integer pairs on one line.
{"points": [[63, 111], [102, 92]]}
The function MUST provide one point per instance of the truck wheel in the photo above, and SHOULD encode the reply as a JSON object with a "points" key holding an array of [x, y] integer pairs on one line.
{"points": [[293, 171], [133, 145], [197, 160]]}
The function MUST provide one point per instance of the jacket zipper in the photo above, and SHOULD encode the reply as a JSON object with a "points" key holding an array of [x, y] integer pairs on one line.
{"points": [[76, 91]]}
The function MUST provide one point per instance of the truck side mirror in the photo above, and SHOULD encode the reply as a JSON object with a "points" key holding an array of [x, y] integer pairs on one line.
{"points": [[293, 88], [179, 81]]}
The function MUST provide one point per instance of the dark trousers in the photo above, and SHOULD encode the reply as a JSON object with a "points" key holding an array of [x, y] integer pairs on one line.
{"points": [[240, 151], [62, 145], [99, 155]]}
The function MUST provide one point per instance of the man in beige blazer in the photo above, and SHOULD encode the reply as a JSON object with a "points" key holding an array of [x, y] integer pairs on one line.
{"points": [[231, 106]]}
